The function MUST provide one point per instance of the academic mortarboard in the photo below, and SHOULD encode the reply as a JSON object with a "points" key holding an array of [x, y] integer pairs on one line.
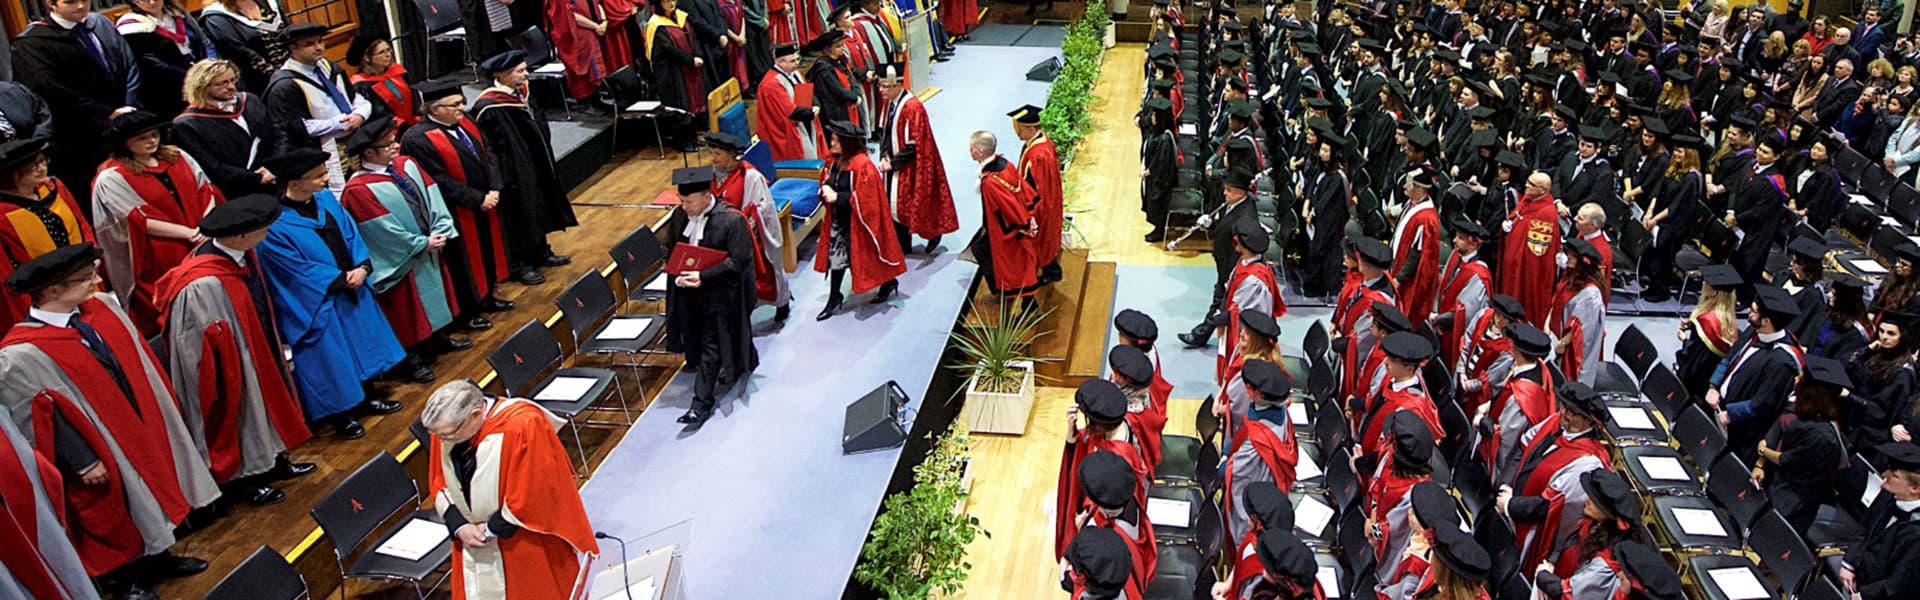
{"points": [[295, 163], [1230, 56], [1159, 103], [785, 50], [1101, 558], [1407, 347], [1772, 142], [1508, 307], [1688, 140], [1580, 248], [1485, 138], [1611, 494], [431, 92], [1637, 108], [1907, 251], [1743, 122], [1776, 303], [1808, 248], [1435, 508], [1650, 574], [504, 61], [1657, 126], [1567, 114], [367, 137], [1101, 401], [297, 32], [1420, 137], [1732, 63], [1828, 371], [1447, 55], [1232, 26], [1529, 340], [1107, 479], [357, 50], [1267, 378], [1462, 555], [1238, 179], [1593, 134], [1842, 281], [1721, 276], [1412, 440], [1646, 45], [1464, 224], [1026, 115], [53, 267], [1308, 49], [1237, 84], [1130, 363], [1484, 93], [1576, 45], [1285, 555], [1483, 112], [1901, 456], [1609, 77], [1312, 86], [1389, 317], [1372, 45], [1253, 237], [17, 152], [847, 129], [724, 141], [1269, 505], [1137, 325], [1243, 110], [1678, 77], [1260, 323], [1374, 252], [892, 70], [1510, 159], [693, 180], [1318, 103], [243, 215], [127, 126], [1161, 85], [1162, 51], [1581, 399]]}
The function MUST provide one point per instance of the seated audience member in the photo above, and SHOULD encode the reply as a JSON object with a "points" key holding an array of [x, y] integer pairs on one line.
{"points": [[311, 99], [383, 81], [103, 414], [405, 224], [1801, 466], [227, 131], [80, 65], [37, 215], [165, 41], [1886, 564], [449, 148], [147, 201], [532, 204], [224, 355]]}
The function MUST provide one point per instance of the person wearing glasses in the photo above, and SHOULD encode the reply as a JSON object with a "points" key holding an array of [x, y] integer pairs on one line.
{"points": [[37, 215], [226, 130], [448, 147], [1529, 248]]}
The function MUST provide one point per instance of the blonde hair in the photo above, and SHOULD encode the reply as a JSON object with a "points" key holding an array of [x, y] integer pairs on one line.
{"points": [[201, 76], [1719, 302]]}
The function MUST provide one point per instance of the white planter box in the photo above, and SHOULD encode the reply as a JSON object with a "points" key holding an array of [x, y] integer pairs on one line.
{"points": [[986, 412], [1108, 38]]}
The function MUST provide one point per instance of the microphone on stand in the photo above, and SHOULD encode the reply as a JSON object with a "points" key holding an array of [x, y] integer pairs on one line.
{"points": [[625, 579]]}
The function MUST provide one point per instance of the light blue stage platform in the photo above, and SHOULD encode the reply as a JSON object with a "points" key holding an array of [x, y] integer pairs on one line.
{"points": [[776, 510]]}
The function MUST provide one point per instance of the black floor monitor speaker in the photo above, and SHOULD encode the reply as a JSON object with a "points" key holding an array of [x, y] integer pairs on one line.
{"points": [[1046, 70], [873, 421]]}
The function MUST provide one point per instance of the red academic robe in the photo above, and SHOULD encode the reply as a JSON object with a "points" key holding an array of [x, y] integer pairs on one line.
{"points": [[1004, 197], [957, 16], [23, 236], [1359, 372], [732, 190], [1258, 271], [771, 123], [1535, 399], [876, 256], [1477, 357], [1149, 424], [19, 530], [1605, 246], [1068, 500], [1278, 450], [1161, 388], [919, 184], [410, 311], [1566, 327], [1453, 281], [482, 250], [392, 89], [1538, 537], [617, 45], [179, 203], [535, 490], [1383, 495], [97, 517], [1040, 166], [1419, 229], [577, 47], [223, 384], [1527, 256], [1141, 544], [1373, 431]]}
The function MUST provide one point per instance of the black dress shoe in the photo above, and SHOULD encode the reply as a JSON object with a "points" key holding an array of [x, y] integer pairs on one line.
{"points": [[442, 343], [555, 260], [780, 314], [285, 468], [833, 305], [886, 291], [477, 323], [421, 373], [137, 591], [495, 305], [378, 406], [167, 565], [1194, 341], [349, 429], [1155, 236], [528, 276], [262, 496], [695, 416]]}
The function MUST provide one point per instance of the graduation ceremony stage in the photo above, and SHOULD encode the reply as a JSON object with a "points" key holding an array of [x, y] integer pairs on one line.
{"points": [[776, 511]]}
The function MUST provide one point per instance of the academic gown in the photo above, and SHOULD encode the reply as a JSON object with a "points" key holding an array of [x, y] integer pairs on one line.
{"points": [[532, 204], [1481, 360], [1372, 437], [338, 334], [36, 558], [125, 204], [1069, 500], [1003, 247], [745, 189], [521, 477], [1464, 285], [229, 146], [81, 92], [78, 412], [462, 167], [391, 95], [309, 111], [1525, 401], [30, 227], [1268, 453], [1812, 455], [1527, 258], [786, 137], [1754, 389], [1416, 259], [1580, 315], [1886, 564], [577, 47], [1702, 350], [721, 309], [670, 52], [875, 254], [1041, 168], [836, 90], [224, 356], [918, 182], [163, 64], [1160, 159], [396, 215], [1328, 209], [1547, 495]]}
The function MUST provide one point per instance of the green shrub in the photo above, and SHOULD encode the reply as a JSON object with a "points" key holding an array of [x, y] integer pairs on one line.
{"points": [[1065, 117], [919, 542]]}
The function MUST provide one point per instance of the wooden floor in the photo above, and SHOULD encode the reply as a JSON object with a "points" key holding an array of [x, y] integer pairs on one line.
{"points": [[286, 526], [1103, 183]]}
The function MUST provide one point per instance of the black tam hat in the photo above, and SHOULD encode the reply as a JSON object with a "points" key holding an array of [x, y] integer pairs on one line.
{"points": [[246, 214], [53, 267]]}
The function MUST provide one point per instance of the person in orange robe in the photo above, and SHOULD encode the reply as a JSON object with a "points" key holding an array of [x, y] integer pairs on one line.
{"points": [[1528, 249], [1104, 429], [1040, 166], [792, 132], [857, 233], [30, 199], [504, 483]]}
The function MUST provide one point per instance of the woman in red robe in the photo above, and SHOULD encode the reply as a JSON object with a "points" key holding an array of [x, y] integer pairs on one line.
{"points": [[147, 201], [857, 227], [1532, 240], [383, 81], [577, 27], [618, 51], [958, 16], [30, 200]]}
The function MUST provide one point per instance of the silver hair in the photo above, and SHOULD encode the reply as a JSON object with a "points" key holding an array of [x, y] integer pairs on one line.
{"points": [[984, 140], [1595, 216], [451, 404]]}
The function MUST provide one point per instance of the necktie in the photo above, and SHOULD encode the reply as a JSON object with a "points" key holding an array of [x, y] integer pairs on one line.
{"points": [[460, 135], [98, 348], [92, 44], [333, 91]]}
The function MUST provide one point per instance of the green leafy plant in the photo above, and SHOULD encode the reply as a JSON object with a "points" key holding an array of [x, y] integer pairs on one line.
{"points": [[991, 350], [918, 544], [1065, 118]]}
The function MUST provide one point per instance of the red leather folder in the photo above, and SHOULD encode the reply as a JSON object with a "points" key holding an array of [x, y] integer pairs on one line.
{"points": [[688, 257]]}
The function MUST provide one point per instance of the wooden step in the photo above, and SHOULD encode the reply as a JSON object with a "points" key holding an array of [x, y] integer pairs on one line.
{"points": [[1087, 358], [1062, 300]]}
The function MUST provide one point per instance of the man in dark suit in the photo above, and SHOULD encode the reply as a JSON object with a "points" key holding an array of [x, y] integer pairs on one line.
{"points": [[78, 63], [1585, 176], [1868, 34], [1237, 214], [1841, 90], [1887, 563]]}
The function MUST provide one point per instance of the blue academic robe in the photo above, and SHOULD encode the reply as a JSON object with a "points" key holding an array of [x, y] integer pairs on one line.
{"points": [[340, 338]]}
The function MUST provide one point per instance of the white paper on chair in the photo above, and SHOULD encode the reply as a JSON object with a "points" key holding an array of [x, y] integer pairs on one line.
{"points": [[1861, 199], [657, 284], [1868, 266], [1696, 521], [1738, 583], [625, 328], [1169, 512], [1311, 516], [644, 106], [1297, 412], [565, 389], [552, 68], [1631, 417], [1307, 468], [1187, 129], [415, 540], [1329, 580], [1665, 468]]}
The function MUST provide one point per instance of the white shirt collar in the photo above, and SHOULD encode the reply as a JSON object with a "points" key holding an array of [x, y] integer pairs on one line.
{"points": [[52, 318], [236, 255], [1772, 337], [1402, 385], [1907, 505], [63, 23]]}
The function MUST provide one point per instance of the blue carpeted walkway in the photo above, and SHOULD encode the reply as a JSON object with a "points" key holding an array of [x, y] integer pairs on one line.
{"points": [[776, 510]]}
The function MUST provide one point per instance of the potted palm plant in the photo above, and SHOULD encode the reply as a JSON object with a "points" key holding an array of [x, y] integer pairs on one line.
{"points": [[999, 369]]}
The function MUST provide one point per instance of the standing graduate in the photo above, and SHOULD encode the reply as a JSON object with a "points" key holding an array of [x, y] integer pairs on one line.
{"points": [[836, 85], [910, 160], [1529, 253], [1253, 286], [1132, 370], [1160, 161], [742, 186], [1402, 391], [1754, 381], [710, 311], [532, 204], [1100, 566], [1481, 364], [78, 375], [37, 215], [675, 61], [504, 487], [1003, 246], [399, 212], [1546, 498], [40, 562], [1578, 320], [859, 232], [576, 27], [226, 130], [317, 267], [1104, 429], [1416, 248], [448, 147], [1527, 398], [792, 132], [1040, 166], [1108, 482], [1801, 466], [1327, 193], [383, 81], [1404, 505], [224, 355], [147, 200], [311, 98], [1263, 450]]}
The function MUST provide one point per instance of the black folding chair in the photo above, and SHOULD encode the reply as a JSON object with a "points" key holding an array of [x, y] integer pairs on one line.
{"points": [[1354, 544], [1179, 459], [1821, 589], [1851, 164], [1321, 381], [1182, 493], [264, 575], [539, 49], [1665, 391], [634, 100], [1730, 484], [588, 307], [1782, 550], [355, 510], [1904, 204], [1837, 526], [1453, 441], [1701, 565], [1636, 352], [1699, 436], [1343, 486], [531, 351], [1876, 184], [1330, 427], [1177, 575], [1474, 484], [1493, 534], [635, 257], [1317, 344]]}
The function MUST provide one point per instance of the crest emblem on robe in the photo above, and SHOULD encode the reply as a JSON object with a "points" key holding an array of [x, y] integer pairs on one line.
{"points": [[1539, 236]]}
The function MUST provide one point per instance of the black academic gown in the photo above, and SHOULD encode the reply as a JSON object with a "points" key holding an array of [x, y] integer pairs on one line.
{"points": [[163, 67], [1754, 390], [1759, 209], [249, 49], [1327, 193], [1811, 456], [25, 111], [1225, 257], [1881, 398], [1823, 196], [226, 149], [81, 93], [712, 324], [1886, 565], [835, 100], [286, 98], [1158, 156], [532, 203]]}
